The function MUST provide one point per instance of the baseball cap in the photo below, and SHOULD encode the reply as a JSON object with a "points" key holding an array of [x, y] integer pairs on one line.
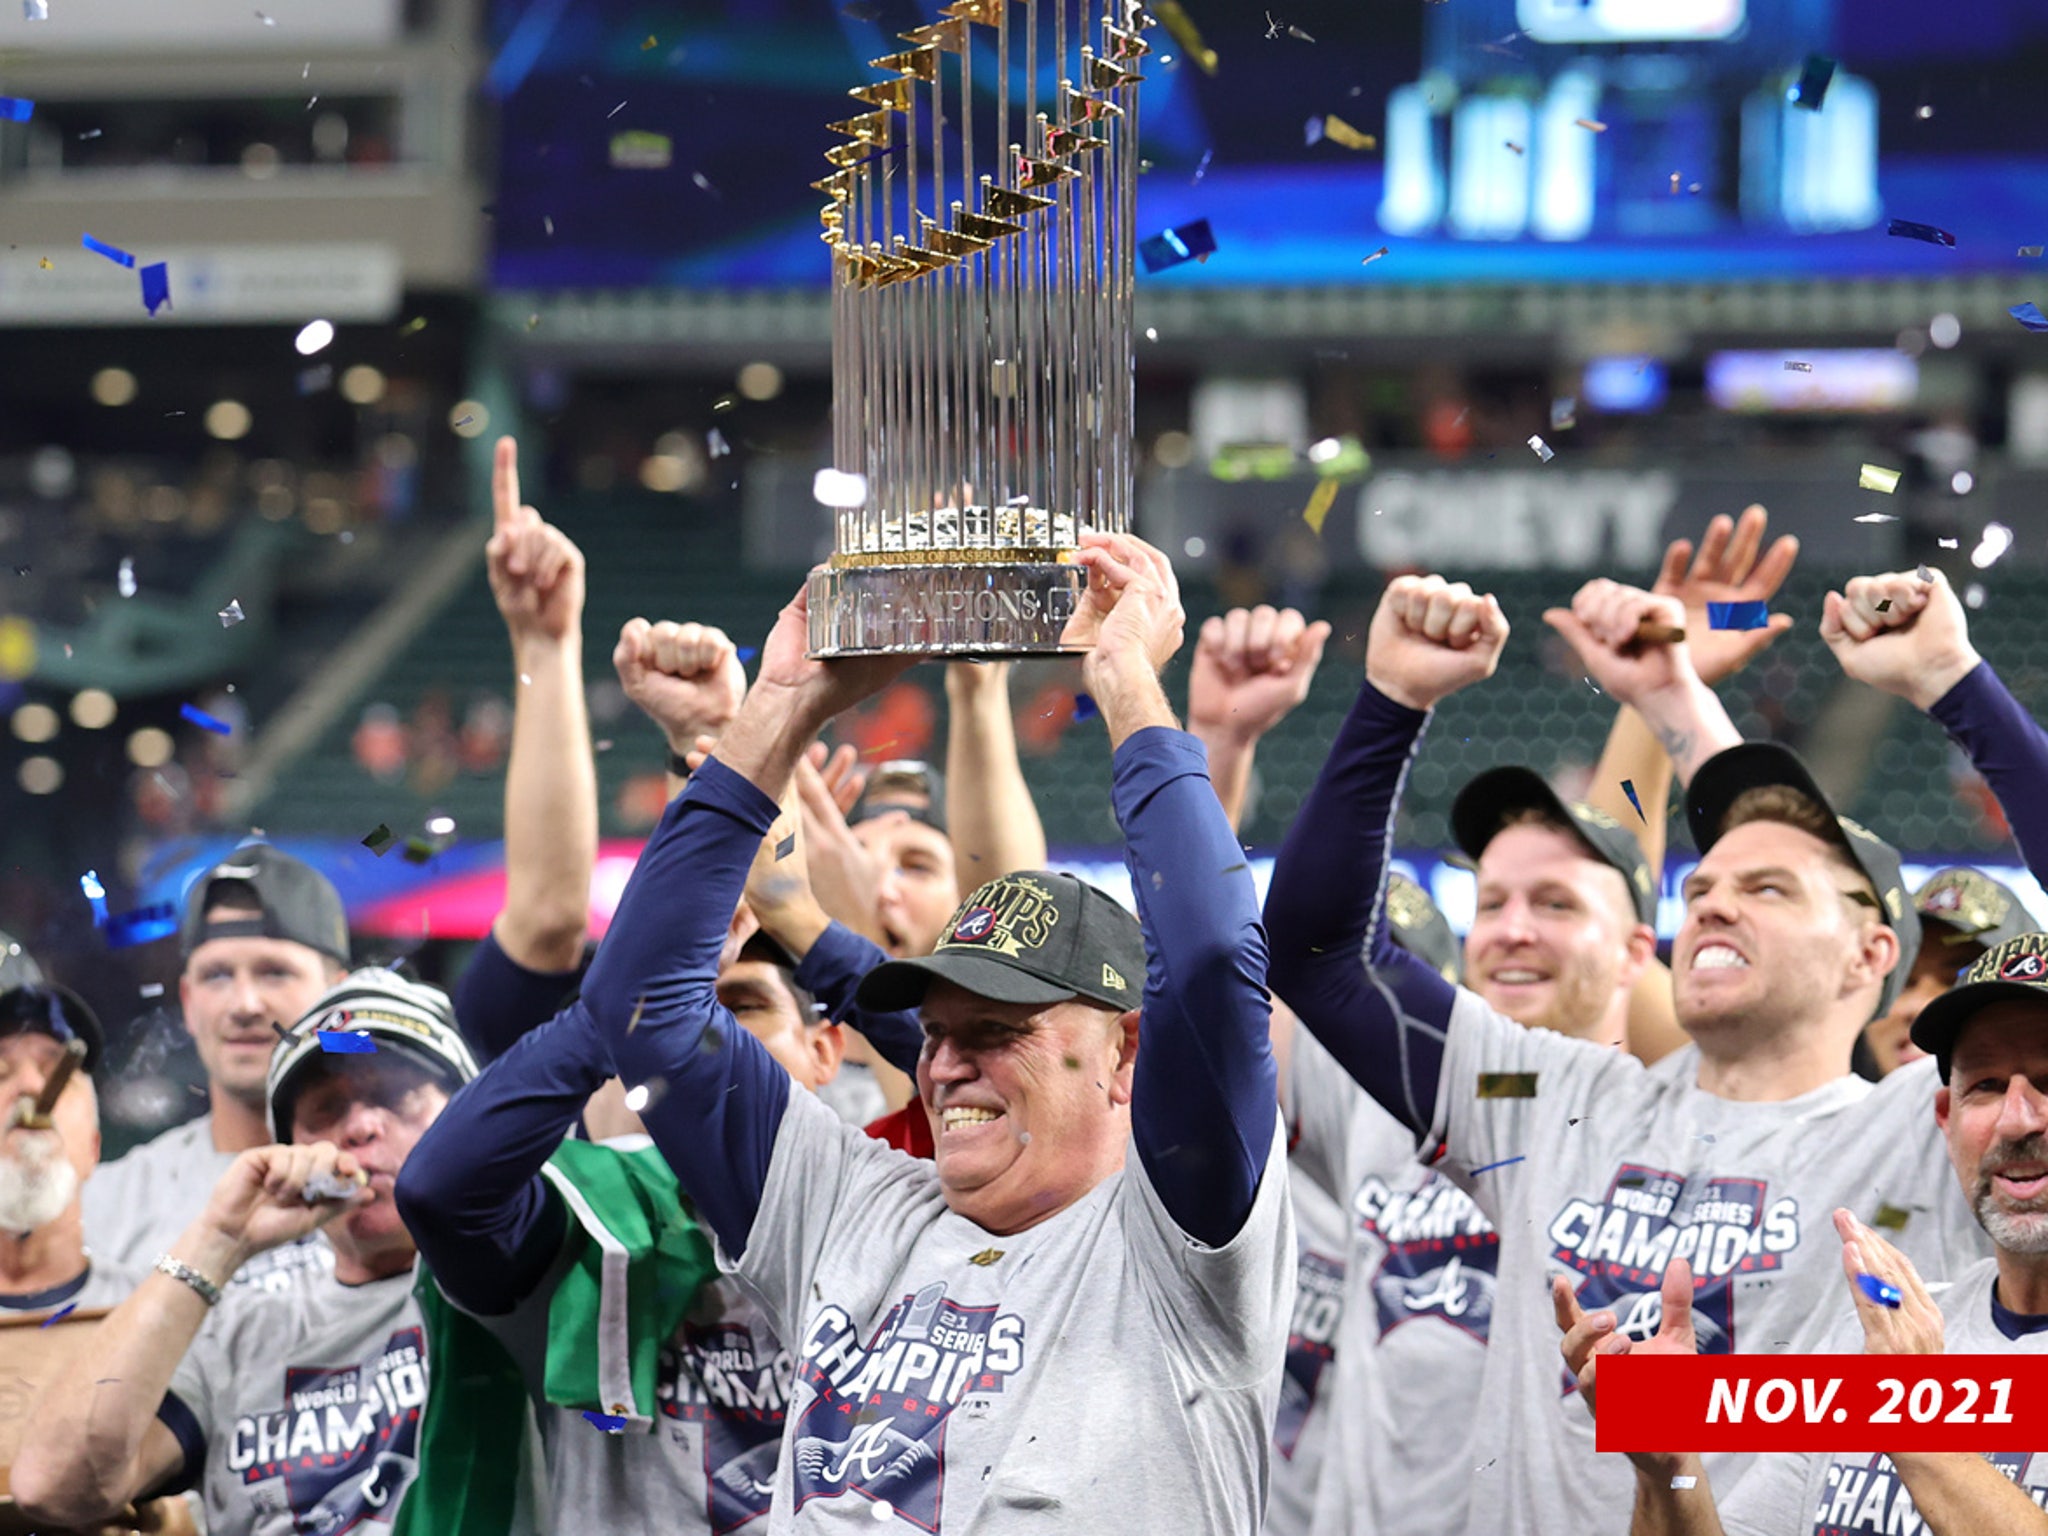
{"points": [[1032, 937], [905, 784], [18, 967], [1498, 795], [402, 1017], [1420, 928], [1967, 906], [2018, 969], [45, 1008], [297, 901], [1754, 764]]}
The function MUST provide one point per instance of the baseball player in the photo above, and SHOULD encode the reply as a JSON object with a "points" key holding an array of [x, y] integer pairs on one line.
{"points": [[1963, 913]]}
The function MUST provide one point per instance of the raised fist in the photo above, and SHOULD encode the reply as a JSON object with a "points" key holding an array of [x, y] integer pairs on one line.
{"points": [[686, 677], [1431, 637], [1624, 639], [1252, 667], [1900, 633]]}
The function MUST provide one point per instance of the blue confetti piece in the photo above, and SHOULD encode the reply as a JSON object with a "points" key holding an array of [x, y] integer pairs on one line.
{"points": [[16, 109], [1738, 615], [1084, 708], [113, 253], [1628, 787], [1503, 1163], [1814, 76], [204, 721], [1188, 242], [610, 1423], [346, 1042], [1907, 229], [145, 925], [156, 286], [2030, 316], [747, 652], [89, 883], [1883, 1294], [61, 1313]]}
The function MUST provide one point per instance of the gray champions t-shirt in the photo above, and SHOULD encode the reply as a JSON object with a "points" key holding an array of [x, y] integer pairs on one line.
{"points": [[1301, 1433], [1625, 1167], [1818, 1495], [136, 1206], [299, 1410], [1418, 1302], [1098, 1369]]}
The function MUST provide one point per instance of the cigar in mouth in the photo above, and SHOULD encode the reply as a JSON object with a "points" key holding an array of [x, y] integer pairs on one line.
{"points": [[36, 1116]]}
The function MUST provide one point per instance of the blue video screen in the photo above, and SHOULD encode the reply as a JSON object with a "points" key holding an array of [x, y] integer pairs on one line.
{"points": [[1509, 140]]}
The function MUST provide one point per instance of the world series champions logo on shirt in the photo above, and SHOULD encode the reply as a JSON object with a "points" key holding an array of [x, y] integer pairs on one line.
{"points": [[1726, 1228], [1871, 1499], [343, 1444], [735, 1381], [1442, 1255], [876, 1424], [1311, 1342]]}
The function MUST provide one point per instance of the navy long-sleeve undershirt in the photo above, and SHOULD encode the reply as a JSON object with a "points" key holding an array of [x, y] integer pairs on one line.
{"points": [[2009, 748], [1382, 1013], [832, 971]]}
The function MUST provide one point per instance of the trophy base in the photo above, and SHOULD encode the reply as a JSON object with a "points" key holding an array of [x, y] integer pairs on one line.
{"points": [[1014, 608]]}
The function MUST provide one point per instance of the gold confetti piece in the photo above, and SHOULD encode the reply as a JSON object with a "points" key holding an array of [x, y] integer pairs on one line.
{"points": [[1875, 477], [1178, 22], [650, 43], [46, 264], [1319, 503], [1335, 128], [1507, 1085], [986, 1257], [413, 326], [1590, 124], [1891, 1218]]}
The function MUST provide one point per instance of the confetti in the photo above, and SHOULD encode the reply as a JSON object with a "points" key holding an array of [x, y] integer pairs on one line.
{"points": [[1875, 477], [1511, 144], [413, 326], [1189, 242], [418, 850], [1738, 615], [1375, 256], [1908, 230], [1811, 89], [124, 578], [69, 1307], [113, 253], [1891, 1218], [1924, 574], [267, 21], [1299, 35], [639, 150], [35, 10], [785, 848], [46, 264], [1876, 517], [1880, 1292], [199, 717], [347, 1042], [1945, 544], [1628, 787], [610, 1423], [1186, 34], [650, 43], [746, 652], [152, 989], [156, 286], [986, 1257], [1320, 500], [325, 1186], [2029, 315], [1084, 708], [1507, 1085], [379, 840], [1590, 124], [1503, 1163], [1683, 1482], [145, 925], [19, 109], [2032, 252], [89, 883], [1337, 131], [1541, 449], [715, 443], [1885, 606], [1202, 169], [1564, 413]]}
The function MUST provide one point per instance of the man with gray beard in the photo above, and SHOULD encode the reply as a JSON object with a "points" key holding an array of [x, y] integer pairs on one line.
{"points": [[47, 1155]]}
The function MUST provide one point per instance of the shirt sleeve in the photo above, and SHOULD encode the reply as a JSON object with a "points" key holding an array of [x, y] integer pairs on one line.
{"points": [[192, 1403], [652, 992], [472, 1193], [2009, 749], [832, 972], [1381, 1012], [497, 999], [1203, 1105]]}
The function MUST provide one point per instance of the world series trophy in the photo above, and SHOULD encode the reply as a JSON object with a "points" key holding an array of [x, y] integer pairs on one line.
{"points": [[982, 336]]}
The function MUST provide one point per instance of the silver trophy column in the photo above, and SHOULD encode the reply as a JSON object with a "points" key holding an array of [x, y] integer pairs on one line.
{"points": [[982, 327]]}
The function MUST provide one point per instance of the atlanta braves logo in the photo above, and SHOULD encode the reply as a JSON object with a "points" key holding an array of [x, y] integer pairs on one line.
{"points": [[974, 926], [876, 1422], [1441, 1254], [2023, 968]]}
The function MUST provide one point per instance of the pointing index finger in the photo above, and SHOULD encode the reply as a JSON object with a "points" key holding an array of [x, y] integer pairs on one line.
{"points": [[505, 484]]}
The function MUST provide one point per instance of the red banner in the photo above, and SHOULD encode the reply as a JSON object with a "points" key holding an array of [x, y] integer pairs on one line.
{"points": [[1832, 1403]]}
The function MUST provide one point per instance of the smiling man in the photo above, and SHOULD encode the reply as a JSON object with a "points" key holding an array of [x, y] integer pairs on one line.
{"points": [[1086, 1296], [293, 1410], [263, 934], [1590, 1165]]}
